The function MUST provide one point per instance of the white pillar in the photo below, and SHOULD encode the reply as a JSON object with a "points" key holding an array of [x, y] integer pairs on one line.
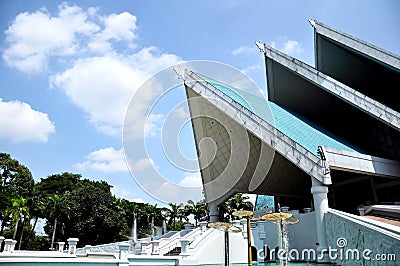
{"points": [[188, 226], [72, 242], [320, 196], [213, 212], [155, 245], [123, 250], [13, 243], [164, 226], [134, 229], [243, 223], [143, 245], [184, 247], [203, 226], [61, 246], [7, 245]]}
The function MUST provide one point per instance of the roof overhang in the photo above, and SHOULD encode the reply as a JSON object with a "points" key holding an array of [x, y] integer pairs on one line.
{"points": [[246, 153], [327, 102], [365, 67]]}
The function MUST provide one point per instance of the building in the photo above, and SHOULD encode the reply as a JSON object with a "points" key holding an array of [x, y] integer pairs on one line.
{"points": [[328, 137]]}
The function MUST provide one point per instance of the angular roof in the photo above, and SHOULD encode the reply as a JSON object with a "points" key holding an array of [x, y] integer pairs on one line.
{"points": [[308, 135], [369, 69]]}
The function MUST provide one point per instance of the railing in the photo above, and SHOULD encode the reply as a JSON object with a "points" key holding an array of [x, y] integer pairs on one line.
{"points": [[175, 242], [360, 240]]}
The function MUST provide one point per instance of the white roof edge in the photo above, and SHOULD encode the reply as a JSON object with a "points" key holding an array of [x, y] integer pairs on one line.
{"points": [[363, 163], [336, 88], [357, 44]]}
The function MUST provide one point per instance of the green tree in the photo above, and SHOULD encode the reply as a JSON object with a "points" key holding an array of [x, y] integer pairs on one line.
{"points": [[94, 216], [18, 210], [58, 207], [198, 209], [235, 203], [15, 181], [58, 184]]}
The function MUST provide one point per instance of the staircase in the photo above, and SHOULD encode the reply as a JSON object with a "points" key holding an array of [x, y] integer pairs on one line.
{"points": [[174, 252]]}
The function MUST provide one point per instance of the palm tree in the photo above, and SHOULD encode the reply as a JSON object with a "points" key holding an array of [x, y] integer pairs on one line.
{"points": [[18, 210], [198, 209], [173, 213], [235, 203], [59, 206]]}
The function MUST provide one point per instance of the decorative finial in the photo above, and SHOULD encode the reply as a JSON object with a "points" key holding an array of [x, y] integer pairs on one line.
{"points": [[261, 46], [180, 71]]}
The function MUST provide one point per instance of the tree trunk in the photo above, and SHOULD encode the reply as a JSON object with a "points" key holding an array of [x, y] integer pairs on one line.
{"points": [[152, 227], [34, 226], [22, 234], [15, 228], [54, 234]]}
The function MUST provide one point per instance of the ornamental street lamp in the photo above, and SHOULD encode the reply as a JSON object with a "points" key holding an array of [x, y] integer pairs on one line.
{"points": [[226, 228], [248, 215]]}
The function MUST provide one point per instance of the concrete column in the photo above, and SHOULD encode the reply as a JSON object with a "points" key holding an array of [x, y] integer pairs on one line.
{"points": [[213, 207], [8, 243], [123, 250], [261, 229], [164, 226], [243, 223], [188, 226], [143, 245], [203, 226], [1, 241], [320, 197], [72, 242], [154, 247], [13, 243], [60, 246], [184, 247]]}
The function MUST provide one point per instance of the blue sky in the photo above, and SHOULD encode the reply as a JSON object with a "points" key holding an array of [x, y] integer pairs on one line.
{"points": [[69, 69]]}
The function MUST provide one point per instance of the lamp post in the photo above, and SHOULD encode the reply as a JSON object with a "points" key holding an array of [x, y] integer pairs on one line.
{"points": [[248, 215], [226, 228]]}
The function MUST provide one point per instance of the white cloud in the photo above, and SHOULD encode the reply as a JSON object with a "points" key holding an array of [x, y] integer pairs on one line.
{"points": [[106, 160], [100, 85], [143, 164], [191, 180], [152, 125], [19, 123], [243, 50], [126, 193], [103, 86], [120, 26], [290, 47], [30, 48]]}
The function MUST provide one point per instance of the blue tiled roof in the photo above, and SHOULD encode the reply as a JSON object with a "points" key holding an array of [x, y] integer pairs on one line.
{"points": [[308, 135]]}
